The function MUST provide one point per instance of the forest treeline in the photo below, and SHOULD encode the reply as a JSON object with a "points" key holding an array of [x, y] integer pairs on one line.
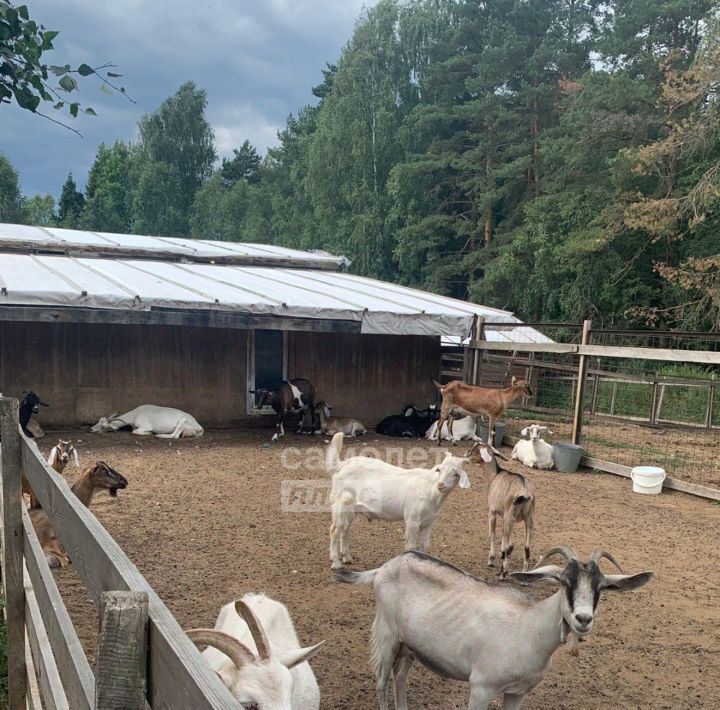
{"points": [[560, 159]]}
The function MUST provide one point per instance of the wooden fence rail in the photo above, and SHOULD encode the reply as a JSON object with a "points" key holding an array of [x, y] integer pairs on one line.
{"points": [[481, 350], [173, 672]]}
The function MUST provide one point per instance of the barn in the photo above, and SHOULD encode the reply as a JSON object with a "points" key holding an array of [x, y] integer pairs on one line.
{"points": [[96, 322]]}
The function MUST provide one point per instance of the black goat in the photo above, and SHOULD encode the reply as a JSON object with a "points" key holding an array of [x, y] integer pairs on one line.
{"points": [[412, 423], [291, 397], [30, 405]]}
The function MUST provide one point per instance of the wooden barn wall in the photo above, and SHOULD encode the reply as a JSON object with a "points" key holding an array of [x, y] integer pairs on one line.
{"points": [[85, 371], [366, 376]]}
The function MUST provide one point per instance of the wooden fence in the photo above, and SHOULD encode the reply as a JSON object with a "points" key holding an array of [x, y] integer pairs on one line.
{"points": [[142, 655], [483, 363]]}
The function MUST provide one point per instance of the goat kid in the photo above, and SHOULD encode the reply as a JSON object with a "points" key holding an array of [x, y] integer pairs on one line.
{"points": [[534, 452], [149, 419], [511, 497], [460, 399], [495, 638], [98, 476], [378, 490], [332, 425], [255, 651]]}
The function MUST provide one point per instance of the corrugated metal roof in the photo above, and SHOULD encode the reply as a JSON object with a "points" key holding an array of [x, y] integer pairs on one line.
{"points": [[136, 284], [22, 238]]}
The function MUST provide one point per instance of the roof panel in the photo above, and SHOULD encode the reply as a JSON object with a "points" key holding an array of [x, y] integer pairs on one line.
{"points": [[141, 284]]}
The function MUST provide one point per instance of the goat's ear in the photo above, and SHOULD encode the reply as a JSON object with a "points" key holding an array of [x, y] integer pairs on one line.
{"points": [[524, 432], [485, 455], [75, 457], [548, 573], [513, 380], [53, 455], [290, 659], [626, 582], [464, 481]]}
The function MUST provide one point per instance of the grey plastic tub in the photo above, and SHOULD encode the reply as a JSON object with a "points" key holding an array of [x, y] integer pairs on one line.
{"points": [[482, 431], [567, 457]]}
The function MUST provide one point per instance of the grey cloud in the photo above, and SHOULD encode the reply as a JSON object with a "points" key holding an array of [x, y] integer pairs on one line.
{"points": [[256, 60]]}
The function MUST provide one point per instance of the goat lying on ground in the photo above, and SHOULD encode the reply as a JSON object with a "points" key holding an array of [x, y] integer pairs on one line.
{"points": [[495, 638], [412, 423], [255, 651], [511, 497], [59, 458], [295, 396], [462, 400], [534, 452], [98, 476], [147, 419], [465, 428], [30, 405], [332, 425], [380, 491]]}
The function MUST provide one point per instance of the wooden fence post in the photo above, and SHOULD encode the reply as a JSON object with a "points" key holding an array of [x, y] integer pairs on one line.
{"points": [[580, 390], [12, 554], [478, 334], [121, 667]]}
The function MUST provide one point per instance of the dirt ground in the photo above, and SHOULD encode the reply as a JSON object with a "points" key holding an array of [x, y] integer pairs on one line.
{"points": [[202, 521]]}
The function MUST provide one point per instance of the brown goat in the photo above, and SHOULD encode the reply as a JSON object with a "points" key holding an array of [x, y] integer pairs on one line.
{"points": [[460, 399], [98, 476], [511, 496]]}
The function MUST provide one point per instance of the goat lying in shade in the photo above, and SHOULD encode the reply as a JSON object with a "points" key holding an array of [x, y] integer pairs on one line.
{"points": [[149, 419], [380, 491], [412, 423], [332, 425], [465, 428], [495, 638], [256, 653]]}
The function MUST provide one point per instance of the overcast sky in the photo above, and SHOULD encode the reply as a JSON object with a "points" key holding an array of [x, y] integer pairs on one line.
{"points": [[257, 60]]}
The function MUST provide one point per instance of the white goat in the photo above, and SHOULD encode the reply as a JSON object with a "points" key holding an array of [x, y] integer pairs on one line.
{"points": [[534, 452], [380, 491], [464, 428], [147, 419], [495, 638], [333, 425], [255, 651]]}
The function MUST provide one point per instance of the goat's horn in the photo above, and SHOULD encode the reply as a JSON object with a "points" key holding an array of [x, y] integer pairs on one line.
{"points": [[567, 552], [598, 554], [256, 629], [237, 652]]}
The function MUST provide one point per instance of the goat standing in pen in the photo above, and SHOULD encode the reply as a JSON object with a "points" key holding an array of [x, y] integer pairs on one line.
{"points": [[460, 399], [30, 405], [296, 396], [380, 491], [495, 638], [511, 497]]}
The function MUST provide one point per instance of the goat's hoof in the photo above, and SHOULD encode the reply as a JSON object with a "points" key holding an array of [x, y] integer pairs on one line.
{"points": [[336, 565], [491, 562], [347, 560]]}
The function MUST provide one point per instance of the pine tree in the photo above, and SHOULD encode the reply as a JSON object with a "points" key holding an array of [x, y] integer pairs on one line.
{"points": [[71, 204]]}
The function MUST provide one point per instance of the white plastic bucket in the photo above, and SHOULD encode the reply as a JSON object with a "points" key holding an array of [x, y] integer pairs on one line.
{"points": [[647, 479]]}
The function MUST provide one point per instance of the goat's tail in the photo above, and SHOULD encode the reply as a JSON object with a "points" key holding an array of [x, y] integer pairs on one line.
{"points": [[519, 500], [332, 458], [348, 577]]}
